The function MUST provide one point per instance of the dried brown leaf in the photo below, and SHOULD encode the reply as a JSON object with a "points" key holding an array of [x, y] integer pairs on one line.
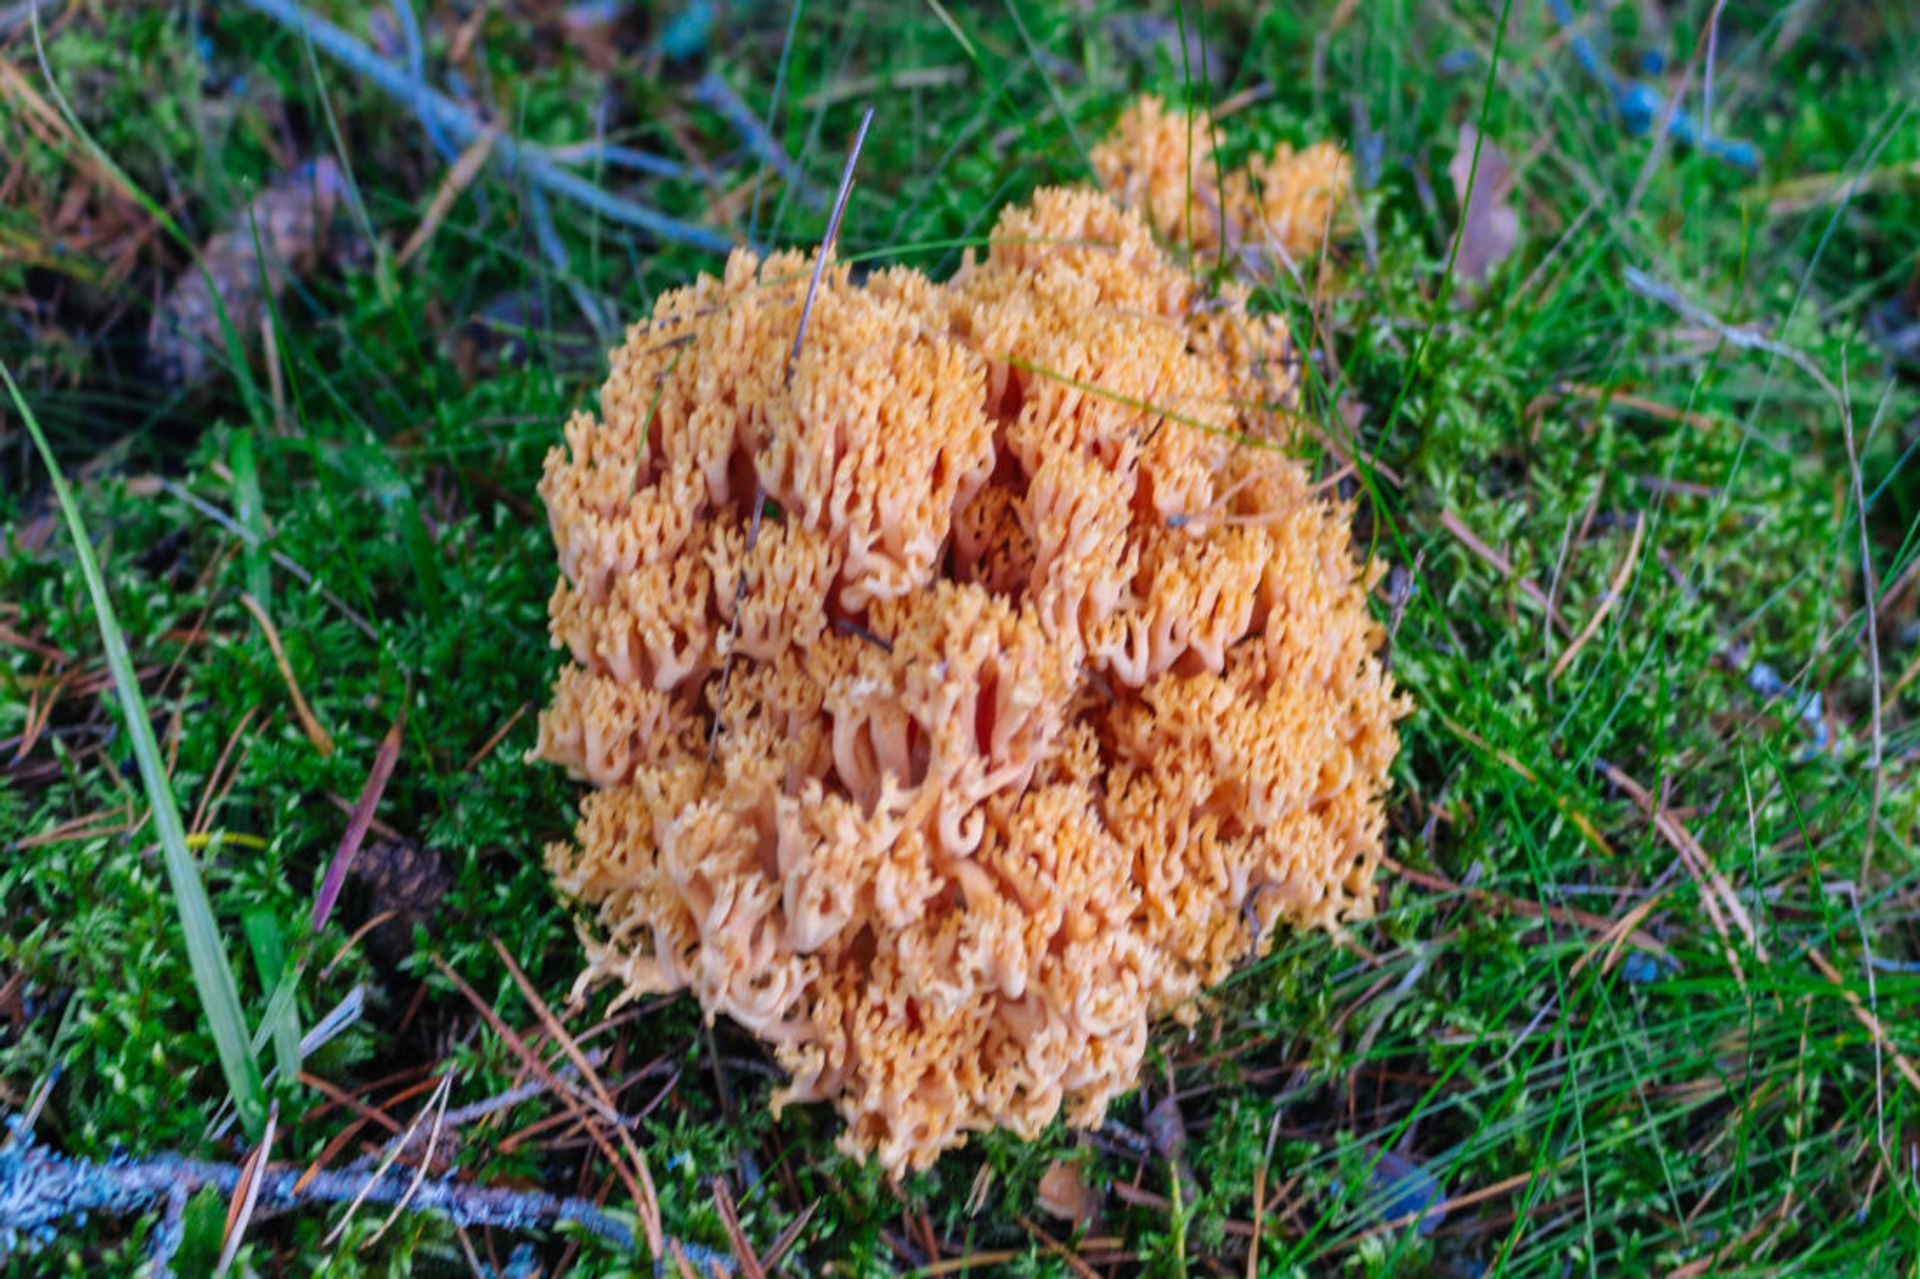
{"points": [[1063, 1193], [1489, 224]]}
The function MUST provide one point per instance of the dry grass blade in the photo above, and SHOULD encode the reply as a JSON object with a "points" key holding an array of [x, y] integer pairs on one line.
{"points": [[452, 187], [1797, 195], [311, 725], [1611, 598], [438, 1104], [1716, 893], [358, 824], [1876, 763], [246, 1195], [1260, 1197], [1507, 758], [202, 810], [1614, 939], [380, 1170], [1874, 1025], [826, 243], [793, 357]]}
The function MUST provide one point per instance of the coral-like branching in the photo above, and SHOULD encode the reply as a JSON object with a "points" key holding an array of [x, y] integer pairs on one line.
{"points": [[1164, 163], [1039, 690]]}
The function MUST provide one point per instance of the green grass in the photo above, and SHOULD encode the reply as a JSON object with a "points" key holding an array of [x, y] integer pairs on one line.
{"points": [[206, 953], [1722, 1113]]}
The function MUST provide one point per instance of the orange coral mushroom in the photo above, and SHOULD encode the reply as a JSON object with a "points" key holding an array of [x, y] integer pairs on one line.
{"points": [[1040, 697], [1163, 163]]}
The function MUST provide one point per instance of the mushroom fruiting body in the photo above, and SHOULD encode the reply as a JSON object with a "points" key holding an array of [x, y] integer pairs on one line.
{"points": [[1163, 163], [1040, 691]]}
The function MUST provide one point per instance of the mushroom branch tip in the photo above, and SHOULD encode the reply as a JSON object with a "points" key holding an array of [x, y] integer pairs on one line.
{"points": [[1052, 684], [1164, 163]]}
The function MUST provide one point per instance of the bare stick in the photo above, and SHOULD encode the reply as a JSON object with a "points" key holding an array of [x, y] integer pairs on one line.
{"points": [[44, 1188]]}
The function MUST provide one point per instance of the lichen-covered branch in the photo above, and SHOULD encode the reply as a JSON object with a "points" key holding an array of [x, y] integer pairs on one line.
{"points": [[461, 128], [40, 1189]]}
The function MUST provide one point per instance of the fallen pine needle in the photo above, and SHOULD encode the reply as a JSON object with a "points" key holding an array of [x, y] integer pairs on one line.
{"points": [[583, 1109], [1612, 597], [649, 1204], [743, 1251], [499, 734], [246, 1195], [379, 1172], [1504, 566], [1445, 1206], [1639, 404], [1715, 891], [315, 733], [1866, 1017], [1564, 915], [359, 935], [458, 179], [1073, 1259]]}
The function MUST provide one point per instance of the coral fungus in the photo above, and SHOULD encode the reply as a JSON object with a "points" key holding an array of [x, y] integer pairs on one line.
{"points": [[1163, 163], [1040, 688]]}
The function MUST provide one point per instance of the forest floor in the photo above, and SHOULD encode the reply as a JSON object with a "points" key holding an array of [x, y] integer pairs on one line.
{"points": [[1633, 428]]}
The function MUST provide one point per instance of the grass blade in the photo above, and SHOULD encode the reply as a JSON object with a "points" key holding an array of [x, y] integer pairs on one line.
{"points": [[251, 510], [281, 1021], [212, 974]]}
